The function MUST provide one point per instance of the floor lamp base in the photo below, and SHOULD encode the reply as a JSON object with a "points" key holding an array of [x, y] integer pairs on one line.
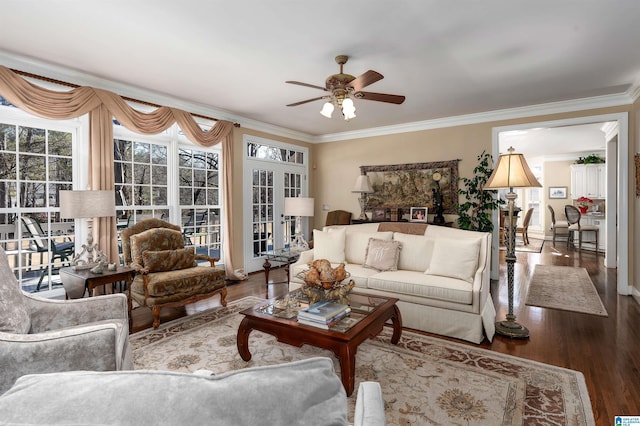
{"points": [[512, 329]]}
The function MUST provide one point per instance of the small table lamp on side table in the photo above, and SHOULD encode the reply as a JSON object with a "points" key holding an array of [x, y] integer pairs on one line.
{"points": [[88, 205], [298, 207], [363, 187], [511, 172]]}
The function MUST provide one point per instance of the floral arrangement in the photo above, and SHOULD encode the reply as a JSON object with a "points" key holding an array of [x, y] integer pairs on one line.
{"points": [[584, 202]]}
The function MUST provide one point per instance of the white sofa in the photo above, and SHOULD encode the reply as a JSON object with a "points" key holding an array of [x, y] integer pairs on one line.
{"points": [[442, 278]]}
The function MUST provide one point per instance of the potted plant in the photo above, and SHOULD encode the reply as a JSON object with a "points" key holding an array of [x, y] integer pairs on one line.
{"points": [[475, 213], [583, 204]]}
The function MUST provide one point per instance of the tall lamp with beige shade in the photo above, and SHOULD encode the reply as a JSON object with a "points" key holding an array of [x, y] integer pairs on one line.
{"points": [[87, 205], [511, 172]]}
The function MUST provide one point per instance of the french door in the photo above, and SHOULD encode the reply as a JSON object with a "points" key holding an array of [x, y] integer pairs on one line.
{"points": [[267, 181]]}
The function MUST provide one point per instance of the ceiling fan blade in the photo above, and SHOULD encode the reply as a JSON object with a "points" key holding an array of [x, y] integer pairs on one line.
{"points": [[380, 97], [365, 79], [306, 85], [308, 100]]}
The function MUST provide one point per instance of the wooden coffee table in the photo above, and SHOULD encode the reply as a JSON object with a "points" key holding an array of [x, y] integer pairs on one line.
{"points": [[344, 344]]}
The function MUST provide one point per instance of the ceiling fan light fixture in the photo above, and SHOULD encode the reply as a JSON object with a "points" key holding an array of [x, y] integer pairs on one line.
{"points": [[327, 109], [348, 109]]}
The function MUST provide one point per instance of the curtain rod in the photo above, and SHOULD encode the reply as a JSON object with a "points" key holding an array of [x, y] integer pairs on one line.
{"points": [[126, 98]]}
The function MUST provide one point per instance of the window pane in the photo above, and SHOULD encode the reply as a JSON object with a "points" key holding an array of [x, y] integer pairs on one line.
{"points": [[7, 165], [60, 143], [32, 140], [159, 154], [32, 167], [7, 137], [141, 152], [159, 175], [142, 173], [61, 169]]}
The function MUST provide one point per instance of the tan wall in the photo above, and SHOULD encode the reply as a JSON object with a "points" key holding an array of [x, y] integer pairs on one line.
{"points": [[239, 187], [555, 173], [334, 166]]}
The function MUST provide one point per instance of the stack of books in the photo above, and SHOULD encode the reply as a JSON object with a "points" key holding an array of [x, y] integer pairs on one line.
{"points": [[323, 314]]}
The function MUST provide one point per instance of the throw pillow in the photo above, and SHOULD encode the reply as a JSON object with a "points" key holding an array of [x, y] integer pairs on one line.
{"points": [[382, 255], [455, 258], [329, 245], [356, 243], [169, 260], [16, 317], [154, 239]]}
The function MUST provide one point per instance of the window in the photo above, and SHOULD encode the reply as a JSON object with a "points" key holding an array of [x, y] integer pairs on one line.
{"points": [[164, 176], [141, 184], [36, 163]]}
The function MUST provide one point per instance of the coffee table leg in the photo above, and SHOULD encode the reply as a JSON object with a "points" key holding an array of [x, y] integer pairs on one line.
{"points": [[267, 267], [347, 357], [396, 320], [243, 339]]}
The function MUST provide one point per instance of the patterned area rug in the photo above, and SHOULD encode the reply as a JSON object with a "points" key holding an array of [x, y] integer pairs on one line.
{"points": [[424, 380], [534, 246], [564, 287]]}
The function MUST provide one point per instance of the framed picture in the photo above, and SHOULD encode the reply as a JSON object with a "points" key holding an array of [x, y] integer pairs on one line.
{"points": [[419, 214], [378, 214], [557, 192]]}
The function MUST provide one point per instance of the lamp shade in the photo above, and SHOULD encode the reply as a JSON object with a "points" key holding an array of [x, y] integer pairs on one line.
{"points": [[298, 206], [512, 171], [362, 185], [87, 204]]}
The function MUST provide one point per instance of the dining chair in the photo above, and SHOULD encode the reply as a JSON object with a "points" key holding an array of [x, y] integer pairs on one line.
{"points": [[573, 218], [524, 229], [558, 225]]}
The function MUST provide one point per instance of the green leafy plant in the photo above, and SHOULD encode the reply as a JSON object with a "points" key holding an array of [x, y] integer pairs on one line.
{"points": [[476, 212], [593, 159]]}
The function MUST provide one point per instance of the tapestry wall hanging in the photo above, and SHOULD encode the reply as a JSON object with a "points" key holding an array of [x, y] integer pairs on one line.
{"points": [[407, 185]]}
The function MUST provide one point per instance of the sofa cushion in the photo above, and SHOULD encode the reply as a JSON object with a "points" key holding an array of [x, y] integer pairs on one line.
{"points": [[313, 393], [329, 245], [382, 255], [416, 251], [169, 260], [412, 283], [15, 316], [154, 239], [455, 258], [356, 243]]}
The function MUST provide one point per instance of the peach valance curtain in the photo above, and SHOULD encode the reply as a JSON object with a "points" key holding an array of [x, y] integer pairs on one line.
{"points": [[102, 105]]}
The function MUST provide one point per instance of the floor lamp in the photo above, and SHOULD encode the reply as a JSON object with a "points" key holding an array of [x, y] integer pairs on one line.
{"points": [[298, 207], [511, 172], [87, 205], [363, 187]]}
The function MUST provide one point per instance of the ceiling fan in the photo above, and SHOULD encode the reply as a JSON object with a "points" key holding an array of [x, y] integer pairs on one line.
{"points": [[343, 87]]}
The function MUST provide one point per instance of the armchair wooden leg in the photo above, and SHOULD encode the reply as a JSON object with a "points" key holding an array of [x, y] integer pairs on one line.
{"points": [[223, 297], [156, 316]]}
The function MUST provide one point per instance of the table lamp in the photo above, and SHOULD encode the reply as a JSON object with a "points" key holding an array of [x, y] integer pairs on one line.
{"points": [[511, 172], [362, 186], [298, 207], [87, 205]]}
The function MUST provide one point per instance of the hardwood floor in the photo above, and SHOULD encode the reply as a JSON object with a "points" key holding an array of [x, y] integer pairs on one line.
{"points": [[605, 350]]}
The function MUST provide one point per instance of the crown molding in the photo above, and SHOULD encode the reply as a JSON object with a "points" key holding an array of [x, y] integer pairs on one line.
{"points": [[489, 116], [57, 72]]}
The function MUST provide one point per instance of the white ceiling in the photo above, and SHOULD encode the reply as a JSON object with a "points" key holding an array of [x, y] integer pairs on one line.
{"points": [[232, 58]]}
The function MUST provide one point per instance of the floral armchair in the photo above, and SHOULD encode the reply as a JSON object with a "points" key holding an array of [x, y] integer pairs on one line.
{"points": [[39, 335], [167, 273]]}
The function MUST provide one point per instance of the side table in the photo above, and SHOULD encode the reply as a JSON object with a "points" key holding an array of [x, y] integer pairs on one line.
{"points": [[285, 256], [76, 283]]}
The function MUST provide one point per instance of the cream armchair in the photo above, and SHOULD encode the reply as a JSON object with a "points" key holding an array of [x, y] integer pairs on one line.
{"points": [[167, 274], [39, 335]]}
